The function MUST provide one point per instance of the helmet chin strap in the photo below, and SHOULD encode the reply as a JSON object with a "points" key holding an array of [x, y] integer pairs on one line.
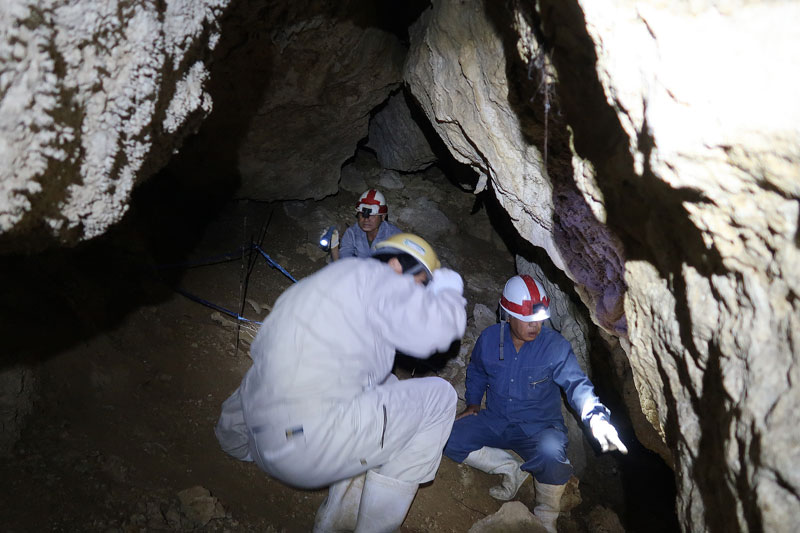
{"points": [[502, 323]]}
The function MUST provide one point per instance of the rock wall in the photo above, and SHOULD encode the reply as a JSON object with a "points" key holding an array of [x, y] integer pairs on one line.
{"points": [[294, 83], [712, 301], [18, 390], [93, 97], [397, 138], [457, 69], [676, 198], [652, 150]]}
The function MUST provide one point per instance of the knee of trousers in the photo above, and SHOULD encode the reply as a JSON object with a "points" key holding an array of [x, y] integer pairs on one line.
{"points": [[553, 472], [442, 400], [463, 440], [550, 465]]}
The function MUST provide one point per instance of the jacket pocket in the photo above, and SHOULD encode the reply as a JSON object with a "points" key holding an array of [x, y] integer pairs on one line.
{"points": [[538, 380]]}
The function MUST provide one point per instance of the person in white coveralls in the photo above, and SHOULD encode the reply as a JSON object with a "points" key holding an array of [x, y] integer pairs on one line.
{"points": [[320, 407]]}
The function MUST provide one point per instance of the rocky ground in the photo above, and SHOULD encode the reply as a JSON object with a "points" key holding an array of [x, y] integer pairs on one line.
{"points": [[132, 373]]}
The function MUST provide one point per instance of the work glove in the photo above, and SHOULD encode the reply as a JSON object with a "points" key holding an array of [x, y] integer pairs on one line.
{"points": [[605, 434], [444, 278]]}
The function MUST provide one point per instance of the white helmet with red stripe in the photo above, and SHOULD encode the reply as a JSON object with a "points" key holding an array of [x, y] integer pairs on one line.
{"points": [[372, 202], [525, 299]]}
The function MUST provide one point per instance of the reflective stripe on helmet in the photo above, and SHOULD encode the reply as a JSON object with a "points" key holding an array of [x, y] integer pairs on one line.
{"points": [[525, 309], [534, 291]]}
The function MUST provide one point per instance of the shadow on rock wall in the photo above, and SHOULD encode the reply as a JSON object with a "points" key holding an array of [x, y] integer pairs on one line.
{"points": [[57, 299], [54, 300], [650, 219]]}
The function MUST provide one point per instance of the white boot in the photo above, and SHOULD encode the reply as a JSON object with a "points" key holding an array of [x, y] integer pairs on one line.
{"points": [[497, 461], [231, 431], [548, 504], [339, 512], [384, 503]]}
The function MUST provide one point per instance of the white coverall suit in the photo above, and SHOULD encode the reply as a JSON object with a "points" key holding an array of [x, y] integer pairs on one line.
{"points": [[320, 405]]}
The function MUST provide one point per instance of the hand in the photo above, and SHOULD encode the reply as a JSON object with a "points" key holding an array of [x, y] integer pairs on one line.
{"points": [[470, 410], [444, 278], [334, 240], [606, 435]]}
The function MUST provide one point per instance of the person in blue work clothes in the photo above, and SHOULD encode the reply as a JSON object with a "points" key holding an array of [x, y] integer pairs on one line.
{"points": [[371, 227], [522, 370]]}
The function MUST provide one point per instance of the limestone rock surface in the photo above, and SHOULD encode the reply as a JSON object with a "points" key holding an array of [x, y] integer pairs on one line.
{"points": [[458, 70], [397, 138], [702, 186], [93, 97], [671, 197], [295, 91]]}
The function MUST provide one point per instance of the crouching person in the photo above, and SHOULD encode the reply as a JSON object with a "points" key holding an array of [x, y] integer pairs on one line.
{"points": [[320, 407], [522, 370]]}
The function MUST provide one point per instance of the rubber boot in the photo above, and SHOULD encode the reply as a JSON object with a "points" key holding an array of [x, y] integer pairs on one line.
{"points": [[339, 512], [548, 504], [497, 461], [384, 503]]}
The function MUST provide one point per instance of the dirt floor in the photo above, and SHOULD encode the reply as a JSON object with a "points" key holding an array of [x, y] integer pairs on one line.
{"points": [[132, 375]]}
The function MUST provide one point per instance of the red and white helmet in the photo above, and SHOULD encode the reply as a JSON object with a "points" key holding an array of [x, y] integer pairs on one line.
{"points": [[372, 202], [525, 298]]}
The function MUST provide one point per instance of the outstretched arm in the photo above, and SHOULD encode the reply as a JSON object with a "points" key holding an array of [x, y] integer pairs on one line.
{"points": [[580, 393]]}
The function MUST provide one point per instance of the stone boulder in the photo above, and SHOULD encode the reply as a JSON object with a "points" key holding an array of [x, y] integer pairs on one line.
{"points": [[397, 139], [513, 517], [294, 94]]}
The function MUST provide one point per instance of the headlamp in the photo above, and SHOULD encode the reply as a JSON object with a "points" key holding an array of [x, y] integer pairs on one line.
{"points": [[539, 312]]}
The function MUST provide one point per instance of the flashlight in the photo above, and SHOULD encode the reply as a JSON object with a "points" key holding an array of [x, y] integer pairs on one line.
{"points": [[325, 240]]}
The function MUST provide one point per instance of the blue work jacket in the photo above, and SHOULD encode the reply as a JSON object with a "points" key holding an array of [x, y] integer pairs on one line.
{"points": [[525, 388], [354, 242]]}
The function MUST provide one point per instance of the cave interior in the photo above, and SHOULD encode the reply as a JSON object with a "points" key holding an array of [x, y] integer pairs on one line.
{"points": [[133, 341]]}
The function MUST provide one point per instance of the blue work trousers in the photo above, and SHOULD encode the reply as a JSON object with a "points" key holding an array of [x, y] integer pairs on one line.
{"points": [[544, 453]]}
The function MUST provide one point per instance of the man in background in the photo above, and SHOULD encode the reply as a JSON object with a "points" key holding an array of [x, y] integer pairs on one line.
{"points": [[371, 227]]}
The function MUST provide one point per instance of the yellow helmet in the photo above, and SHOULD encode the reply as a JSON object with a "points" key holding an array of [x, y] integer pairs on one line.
{"points": [[415, 246]]}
